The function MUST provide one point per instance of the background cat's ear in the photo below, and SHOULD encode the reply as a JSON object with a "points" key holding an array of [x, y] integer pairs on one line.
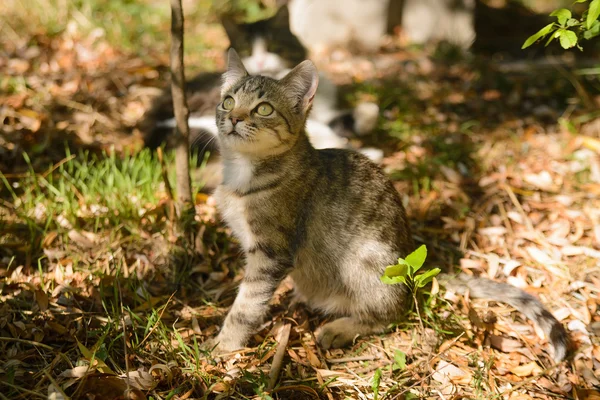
{"points": [[231, 28], [301, 83], [235, 71], [282, 16]]}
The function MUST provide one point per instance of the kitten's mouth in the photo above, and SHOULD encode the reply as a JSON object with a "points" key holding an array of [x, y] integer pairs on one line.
{"points": [[233, 132]]}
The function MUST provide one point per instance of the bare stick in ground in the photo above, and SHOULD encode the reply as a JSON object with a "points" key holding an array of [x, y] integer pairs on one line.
{"points": [[282, 342], [182, 132]]}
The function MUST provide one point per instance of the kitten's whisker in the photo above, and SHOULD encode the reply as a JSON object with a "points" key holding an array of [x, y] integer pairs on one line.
{"points": [[207, 143]]}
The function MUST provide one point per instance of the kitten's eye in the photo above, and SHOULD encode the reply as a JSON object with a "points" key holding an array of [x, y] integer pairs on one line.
{"points": [[264, 109], [228, 103]]}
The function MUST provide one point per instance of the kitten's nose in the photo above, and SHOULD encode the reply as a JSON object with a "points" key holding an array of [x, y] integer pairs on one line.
{"points": [[235, 120]]}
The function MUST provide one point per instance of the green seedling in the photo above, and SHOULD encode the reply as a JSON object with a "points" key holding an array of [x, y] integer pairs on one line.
{"points": [[405, 271]]}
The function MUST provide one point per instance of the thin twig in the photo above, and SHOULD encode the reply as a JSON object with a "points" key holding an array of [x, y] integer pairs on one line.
{"points": [[45, 174], [58, 164], [56, 385], [124, 337], [31, 342], [31, 392], [157, 321], [297, 388], [282, 341], [585, 96], [351, 359], [104, 120], [165, 176], [164, 173]]}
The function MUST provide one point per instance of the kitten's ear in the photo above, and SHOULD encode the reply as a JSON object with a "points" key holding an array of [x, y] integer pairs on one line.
{"points": [[235, 71], [301, 84]]}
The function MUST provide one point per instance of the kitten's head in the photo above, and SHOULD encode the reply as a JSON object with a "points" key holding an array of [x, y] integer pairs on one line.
{"points": [[266, 46], [260, 116]]}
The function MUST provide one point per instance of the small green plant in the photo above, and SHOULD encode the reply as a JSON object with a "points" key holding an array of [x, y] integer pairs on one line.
{"points": [[406, 271], [399, 360], [375, 383], [568, 30]]}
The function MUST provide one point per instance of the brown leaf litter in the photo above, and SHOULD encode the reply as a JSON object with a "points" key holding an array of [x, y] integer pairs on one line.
{"points": [[493, 189]]}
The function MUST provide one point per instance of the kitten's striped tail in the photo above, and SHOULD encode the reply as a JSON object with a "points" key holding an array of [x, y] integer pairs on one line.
{"points": [[530, 306]]}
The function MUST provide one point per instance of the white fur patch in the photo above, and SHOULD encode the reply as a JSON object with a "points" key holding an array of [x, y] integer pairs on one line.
{"points": [[322, 136], [207, 123], [237, 172], [375, 155], [262, 60], [233, 210]]}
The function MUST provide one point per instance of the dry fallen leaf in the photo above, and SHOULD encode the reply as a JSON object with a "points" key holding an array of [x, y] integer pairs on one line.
{"points": [[140, 379], [85, 240], [528, 369], [41, 298], [504, 344], [588, 394], [446, 372], [77, 372], [542, 180], [109, 387]]}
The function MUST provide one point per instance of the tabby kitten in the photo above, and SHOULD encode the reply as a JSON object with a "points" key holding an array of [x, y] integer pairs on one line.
{"points": [[268, 47], [329, 218]]}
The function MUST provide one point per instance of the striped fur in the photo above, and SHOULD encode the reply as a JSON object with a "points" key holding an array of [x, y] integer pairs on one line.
{"points": [[329, 218]]}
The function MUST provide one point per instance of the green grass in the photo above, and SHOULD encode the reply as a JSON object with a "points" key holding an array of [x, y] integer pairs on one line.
{"points": [[87, 190], [121, 200], [116, 198], [129, 23]]}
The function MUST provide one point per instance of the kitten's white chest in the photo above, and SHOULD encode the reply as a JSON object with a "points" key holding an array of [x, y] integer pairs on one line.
{"points": [[237, 173], [233, 209]]}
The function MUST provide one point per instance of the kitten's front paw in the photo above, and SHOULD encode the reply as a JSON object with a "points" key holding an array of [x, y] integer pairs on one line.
{"points": [[220, 345], [338, 333]]}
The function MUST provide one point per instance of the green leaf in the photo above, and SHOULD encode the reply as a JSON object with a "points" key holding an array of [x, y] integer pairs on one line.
{"points": [[426, 277], [572, 22], [400, 269], [580, 1], [593, 31], [417, 258], [562, 14], [399, 361], [395, 274], [375, 384], [394, 280], [91, 357], [538, 35], [593, 13], [568, 39]]}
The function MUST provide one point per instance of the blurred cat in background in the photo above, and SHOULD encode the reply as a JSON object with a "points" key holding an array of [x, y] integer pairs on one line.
{"points": [[269, 48], [467, 24], [361, 25]]}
